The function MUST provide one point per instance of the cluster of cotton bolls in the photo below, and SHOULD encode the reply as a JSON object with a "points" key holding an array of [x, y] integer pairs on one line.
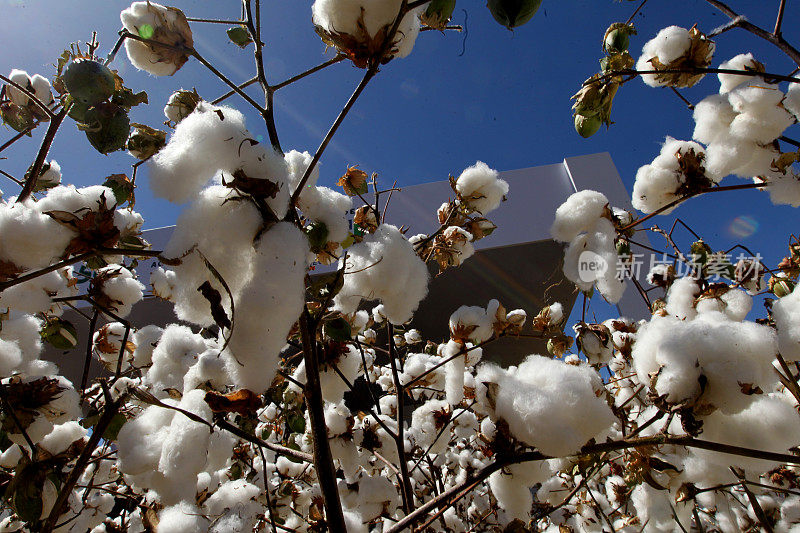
{"points": [[38, 233], [224, 241], [739, 128], [586, 221]]}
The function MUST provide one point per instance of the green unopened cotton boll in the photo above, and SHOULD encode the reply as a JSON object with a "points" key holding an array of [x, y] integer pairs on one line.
{"points": [[438, 13], [61, 334], [317, 233], [587, 126], [513, 13], [107, 127], [89, 82]]}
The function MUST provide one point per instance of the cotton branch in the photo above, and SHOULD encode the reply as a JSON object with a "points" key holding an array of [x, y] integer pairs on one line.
{"points": [[774, 38]]}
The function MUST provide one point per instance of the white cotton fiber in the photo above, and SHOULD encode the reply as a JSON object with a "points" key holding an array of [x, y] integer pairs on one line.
{"points": [[481, 188], [728, 82], [121, 288], [183, 517], [578, 214], [268, 305], [668, 45], [342, 16], [185, 445], [728, 354], [792, 100], [762, 425], [222, 229], [786, 312], [176, 351], [785, 190], [31, 239], [712, 116], [329, 207], [62, 436], [202, 143], [384, 266], [527, 397], [156, 22]]}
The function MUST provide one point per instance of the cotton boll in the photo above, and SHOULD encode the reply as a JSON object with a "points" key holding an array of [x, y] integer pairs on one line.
{"points": [[222, 229], [734, 303], [713, 116], [116, 287], [234, 506], [763, 126], [185, 447], [725, 157], [786, 312], [344, 16], [145, 340], [656, 510], [511, 486], [578, 214], [527, 397], [166, 25], [730, 355], [277, 287], [20, 77], [481, 188], [163, 283], [210, 368], [729, 82], [202, 143], [785, 190], [762, 425], [262, 162], [792, 100], [329, 207], [668, 45], [471, 323], [140, 440], [384, 266], [36, 295], [62, 436], [183, 517], [176, 351], [297, 163], [31, 239], [21, 342], [72, 199], [427, 421]]}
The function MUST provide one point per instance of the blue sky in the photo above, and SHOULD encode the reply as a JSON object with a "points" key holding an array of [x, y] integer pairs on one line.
{"points": [[490, 94]]}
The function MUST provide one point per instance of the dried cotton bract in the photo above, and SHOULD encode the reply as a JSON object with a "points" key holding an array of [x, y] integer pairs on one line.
{"points": [[166, 25]]}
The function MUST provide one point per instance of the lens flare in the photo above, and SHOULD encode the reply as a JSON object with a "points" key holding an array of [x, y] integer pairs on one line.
{"points": [[146, 31], [743, 226]]}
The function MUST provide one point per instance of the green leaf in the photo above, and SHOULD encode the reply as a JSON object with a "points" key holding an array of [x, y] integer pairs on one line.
{"points": [[296, 422], [239, 36], [25, 491], [337, 329], [114, 426]]}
